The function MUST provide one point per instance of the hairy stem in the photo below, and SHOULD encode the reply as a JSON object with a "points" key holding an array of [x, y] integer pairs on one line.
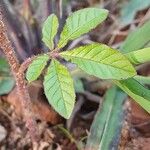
{"points": [[18, 73]]}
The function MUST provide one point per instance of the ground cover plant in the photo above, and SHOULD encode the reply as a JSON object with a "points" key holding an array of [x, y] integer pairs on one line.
{"points": [[95, 59]]}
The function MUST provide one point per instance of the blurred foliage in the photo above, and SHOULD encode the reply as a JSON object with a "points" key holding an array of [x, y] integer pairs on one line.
{"points": [[6, 81], [129, 11]]}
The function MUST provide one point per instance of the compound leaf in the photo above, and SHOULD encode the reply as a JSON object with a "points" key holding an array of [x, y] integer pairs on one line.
{"points": [[59, 89], [49, 30], [36, 67], [101, 61], [81, 22], [137, 91]]}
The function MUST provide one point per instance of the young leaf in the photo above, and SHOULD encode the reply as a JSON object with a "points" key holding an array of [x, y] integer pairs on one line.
{"points": [[59, 89], [137, 91], [101, 61], [139, 56], [36, 67], [49, 30], [106, 127], [81, 22]]}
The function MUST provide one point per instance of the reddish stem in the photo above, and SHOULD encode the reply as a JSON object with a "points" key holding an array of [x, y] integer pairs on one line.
{"points": [[20, 82]]}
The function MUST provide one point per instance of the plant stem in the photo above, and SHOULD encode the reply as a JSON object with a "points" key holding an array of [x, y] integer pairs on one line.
{"points": [[20, 82]]}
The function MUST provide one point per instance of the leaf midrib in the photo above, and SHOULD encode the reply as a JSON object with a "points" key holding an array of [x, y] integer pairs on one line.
{"points": [[69, 35], [99, 62], [60, 87]]}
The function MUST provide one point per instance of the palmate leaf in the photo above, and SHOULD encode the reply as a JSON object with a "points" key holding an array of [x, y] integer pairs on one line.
{"points": [[106, 127], [137, 91], [36, 67], [59, 89], [81, 22], [101, 61], [49, 30]]}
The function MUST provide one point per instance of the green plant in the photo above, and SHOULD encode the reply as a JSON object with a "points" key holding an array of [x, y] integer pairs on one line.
{"points": [[95, 59]]}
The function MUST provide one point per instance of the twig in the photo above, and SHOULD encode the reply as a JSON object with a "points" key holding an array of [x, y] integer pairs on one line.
{"points": [[26, 63], [92, 97]]}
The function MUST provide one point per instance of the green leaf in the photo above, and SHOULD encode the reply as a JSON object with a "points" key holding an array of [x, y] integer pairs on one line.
{"points": [[36, 67], [137, 39], [6, 85], [81, 22], [59, 89], [101, 61], [49, 30], [139, 56], [137, 91], [106, 127], [129, 11]]}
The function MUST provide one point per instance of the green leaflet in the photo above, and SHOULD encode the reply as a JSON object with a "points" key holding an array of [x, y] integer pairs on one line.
{"points": [[101, 61], [81, 22], [139, 56], [59, 89], [49, 30], [36, 67], [137, 39], [106, 127], [137, 91]]}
